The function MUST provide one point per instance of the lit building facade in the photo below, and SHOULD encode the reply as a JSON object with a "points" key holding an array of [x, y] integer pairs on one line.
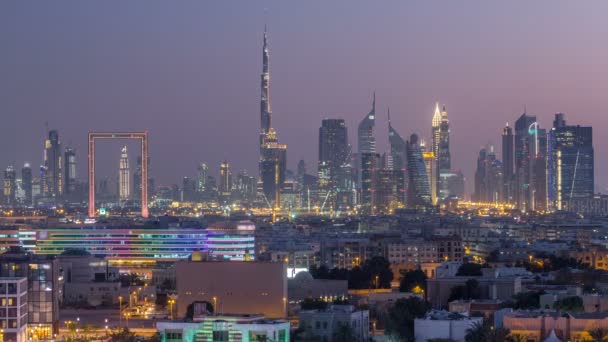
{"points": [[419, 190], [10, 185], [53, 166], [570, 163], [440, 132], [13, 309], [124, 174], [27, 184], [508, 175], [398, 161], [69, 183]]}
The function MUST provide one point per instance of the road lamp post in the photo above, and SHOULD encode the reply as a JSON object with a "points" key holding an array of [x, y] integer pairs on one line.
{"points": [[120, 310], [171, 302]]}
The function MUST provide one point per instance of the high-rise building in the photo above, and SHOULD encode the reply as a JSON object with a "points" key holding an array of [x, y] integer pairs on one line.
{"points": [[333, 150], [53, 165], [10, 185], [27, 182], [398, 161], [531, 164], [225, 186], [488, 177], [69, 183], [366, 143], [188, 189], [124, 174], [419, 190], [430, 162], [440, 131], [201, 178], [367, 159], [507, 165], [273, 156], [273, 167], [570, 166]]}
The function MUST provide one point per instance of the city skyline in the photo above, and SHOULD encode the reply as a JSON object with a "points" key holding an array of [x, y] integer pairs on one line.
{"points": [[296, 117]]}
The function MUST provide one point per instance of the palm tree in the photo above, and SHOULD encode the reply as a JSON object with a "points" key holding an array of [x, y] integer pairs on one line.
{"points": [[344, 334], [478, 332], [598, 335]]}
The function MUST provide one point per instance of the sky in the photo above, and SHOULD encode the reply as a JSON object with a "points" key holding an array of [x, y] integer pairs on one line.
{"points": [[189, 73]]}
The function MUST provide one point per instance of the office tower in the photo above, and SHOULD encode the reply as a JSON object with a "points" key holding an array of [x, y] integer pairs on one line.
{"points": [[188, 189], [333, 151], [69, 183], [440, 146], [530, 160], [398, 160], [507, 165], [366, 143], [273, 156], [53, 164], [430, 163], [370, 163], [419, 190], [10, 185], [246, 186], [367, 159], [26, 181], [273, 167], [201, 178], [225, 186], [570, 174], [488, 177], [124, 173]]}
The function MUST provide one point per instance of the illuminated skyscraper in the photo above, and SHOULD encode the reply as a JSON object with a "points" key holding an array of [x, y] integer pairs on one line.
{"points": [[201, 179], [367, 159], [124, 188], [419, 190], [273, 156], [398, 161], [69, 183], [488, 177], [507, 165], [333, 151], [225, 186], [26, 181], [440, 146], [570, 163], [430, 163], [531, 164], [10, 185], [53, 165], [366, 143]]}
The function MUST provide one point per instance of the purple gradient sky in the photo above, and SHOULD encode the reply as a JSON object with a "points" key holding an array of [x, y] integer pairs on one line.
{"points": [[189, 72]]}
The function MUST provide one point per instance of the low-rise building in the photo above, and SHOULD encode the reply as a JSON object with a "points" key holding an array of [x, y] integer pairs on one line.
{"points": [[444, 325], [325, 324], [538, 325], [305, 286], [212, 328]]}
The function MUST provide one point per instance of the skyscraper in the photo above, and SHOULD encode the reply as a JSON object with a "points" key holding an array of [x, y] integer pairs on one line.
{"points": [[26, 181], [69, 183], [570, 173], [333, 151], [225, 186], [419, 190], [398, 160], [52, 162], [440, 132], [201, 179], [124, 189], [10, 185], [488, 177], [507, 165], [367, 159], [530, 162], [366, 143], [273, 156]]}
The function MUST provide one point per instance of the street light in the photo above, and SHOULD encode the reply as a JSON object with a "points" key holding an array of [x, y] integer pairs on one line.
{"points": [[171, 302], [215, 305], [120, 310]]}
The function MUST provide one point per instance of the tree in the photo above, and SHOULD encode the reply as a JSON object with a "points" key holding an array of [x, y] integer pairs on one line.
{"points": [[469, 269], [154, 338], [344, 333], [479, 332], [527, 300], [319, 272], [379, 271], [411, 280], [573, 303], [313, 304], [401, 317], [123, 336], [598, 335], [470, 290]]}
